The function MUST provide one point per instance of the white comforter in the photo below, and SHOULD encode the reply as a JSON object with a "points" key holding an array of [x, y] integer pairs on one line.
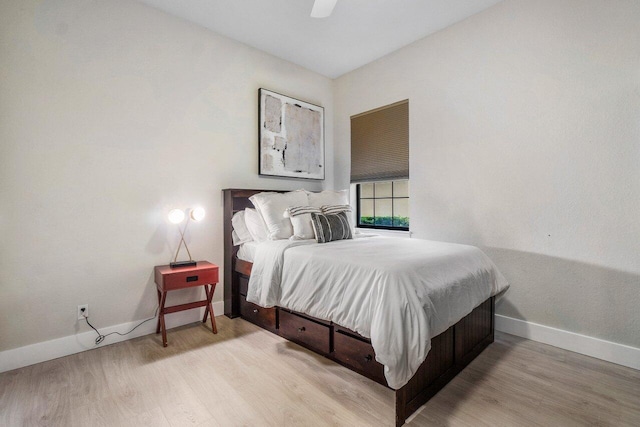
{"points": [[399, 292]]}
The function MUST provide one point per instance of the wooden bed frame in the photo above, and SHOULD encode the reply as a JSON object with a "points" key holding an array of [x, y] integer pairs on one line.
{"points": [[450, 352]]}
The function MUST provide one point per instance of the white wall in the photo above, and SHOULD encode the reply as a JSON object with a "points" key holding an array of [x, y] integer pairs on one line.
{"points": [[525, 140], [111, 113]]}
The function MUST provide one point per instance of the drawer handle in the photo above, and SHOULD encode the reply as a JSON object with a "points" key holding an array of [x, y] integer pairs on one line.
{"points": [[192, 278], [255, 310], [301, 329], [368, 358]]}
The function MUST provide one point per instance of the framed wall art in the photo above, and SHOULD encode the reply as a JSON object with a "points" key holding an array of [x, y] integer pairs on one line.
{"points": [[291, 137]]}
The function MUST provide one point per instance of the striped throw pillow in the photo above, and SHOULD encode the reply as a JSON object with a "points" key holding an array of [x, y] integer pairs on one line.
{"points": [[300, 217], [334, 209], [301, 210], [328, 228]]}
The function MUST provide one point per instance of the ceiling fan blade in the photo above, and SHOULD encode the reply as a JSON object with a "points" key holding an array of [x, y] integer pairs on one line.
{"points": [[322, 8]]}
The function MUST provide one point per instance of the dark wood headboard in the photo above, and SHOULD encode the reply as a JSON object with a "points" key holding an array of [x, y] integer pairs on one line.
{"points": [[235, 200]]}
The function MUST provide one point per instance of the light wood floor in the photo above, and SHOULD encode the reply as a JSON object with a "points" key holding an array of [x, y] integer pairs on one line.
{"points": [[245, 376]]}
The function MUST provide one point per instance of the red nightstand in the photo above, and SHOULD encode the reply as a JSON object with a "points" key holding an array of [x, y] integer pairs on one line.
{"points": [[169, 279]]}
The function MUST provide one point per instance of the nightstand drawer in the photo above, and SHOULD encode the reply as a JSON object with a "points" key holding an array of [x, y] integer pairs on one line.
{"points": [[305, 331], [263, 317], [187, 277], [357, 354]]}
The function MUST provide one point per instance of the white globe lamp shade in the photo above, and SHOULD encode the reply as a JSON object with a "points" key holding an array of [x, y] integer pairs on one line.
{"points": [[176, 216], [197, 214]]}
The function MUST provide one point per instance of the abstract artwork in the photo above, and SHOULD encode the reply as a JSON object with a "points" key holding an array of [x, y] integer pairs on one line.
{"points": [[291, 137]]}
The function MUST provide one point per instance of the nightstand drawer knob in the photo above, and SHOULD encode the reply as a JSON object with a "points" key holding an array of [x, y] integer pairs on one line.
{"points": [[255, 310], [302, 329], [192, 278]]}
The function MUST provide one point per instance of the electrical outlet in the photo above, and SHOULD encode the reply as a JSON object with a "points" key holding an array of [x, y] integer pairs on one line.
{"points": [[83, 311]]}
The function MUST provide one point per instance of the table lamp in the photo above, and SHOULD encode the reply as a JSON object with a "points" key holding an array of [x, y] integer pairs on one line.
{"points": [[176, 216]]}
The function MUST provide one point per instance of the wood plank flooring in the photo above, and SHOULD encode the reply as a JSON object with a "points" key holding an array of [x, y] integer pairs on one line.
{"points": [[245, 376]]}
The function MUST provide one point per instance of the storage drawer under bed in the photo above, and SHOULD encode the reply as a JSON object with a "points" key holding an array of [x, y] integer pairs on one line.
{"points": [[306, 332], [357, 354], [263, 317]]}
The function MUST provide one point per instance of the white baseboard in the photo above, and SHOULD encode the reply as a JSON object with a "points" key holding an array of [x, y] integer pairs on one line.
{"points": [[606, 350], [59, 347], [40, 352]]}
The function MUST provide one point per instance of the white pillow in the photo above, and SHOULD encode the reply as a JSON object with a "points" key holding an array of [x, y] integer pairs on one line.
{"points": [[255, 225], [300, 217], [272, 207], [328, 197], [240, 232]]}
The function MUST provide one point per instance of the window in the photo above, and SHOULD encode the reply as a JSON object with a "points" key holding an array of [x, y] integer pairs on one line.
{"points": [[380, 166], [383, 205]]}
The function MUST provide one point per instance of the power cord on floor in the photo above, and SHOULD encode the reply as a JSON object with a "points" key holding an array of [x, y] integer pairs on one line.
{"points": [[101, 337]]}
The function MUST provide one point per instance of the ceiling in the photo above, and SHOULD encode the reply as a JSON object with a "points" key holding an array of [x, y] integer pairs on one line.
{"points": [[356, 33]]}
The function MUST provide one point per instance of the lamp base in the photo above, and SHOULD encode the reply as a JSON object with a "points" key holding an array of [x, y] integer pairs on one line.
{"points": [[182, 264]]}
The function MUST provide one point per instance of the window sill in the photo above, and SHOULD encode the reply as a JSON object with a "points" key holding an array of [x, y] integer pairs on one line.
{"points": [[382, 232]]}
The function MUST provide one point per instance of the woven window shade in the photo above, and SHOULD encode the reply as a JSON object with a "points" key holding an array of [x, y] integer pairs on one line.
{"points": [[380, 144]]}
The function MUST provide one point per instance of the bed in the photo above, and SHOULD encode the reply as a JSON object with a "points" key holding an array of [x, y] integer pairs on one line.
{"points": [[451, 349]]}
